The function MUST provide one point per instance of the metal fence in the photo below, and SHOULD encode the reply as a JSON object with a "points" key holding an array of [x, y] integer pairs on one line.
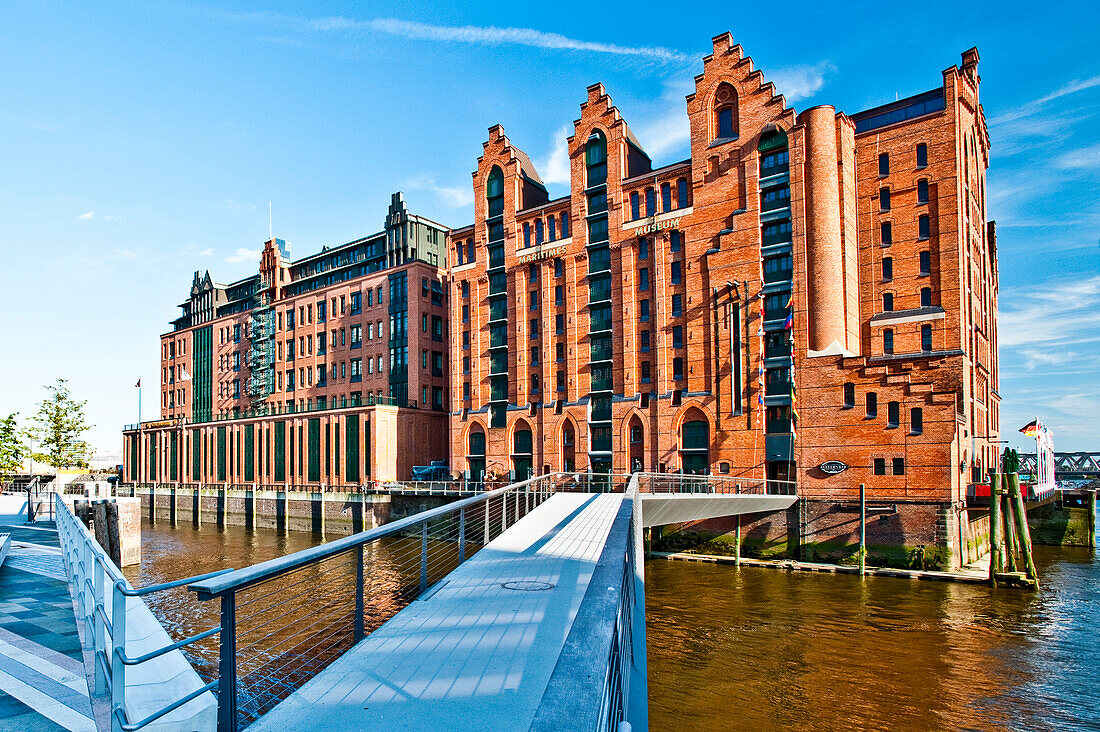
{"points": [[284, 620], [716, 484], [101, 594]]}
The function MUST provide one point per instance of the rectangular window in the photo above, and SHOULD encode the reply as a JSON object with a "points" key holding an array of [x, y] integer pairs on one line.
{"points": [[887, 233], [534, 355], [559, 324], [559, 351], [645, 372], [677, 305], [674, 241], [872, 405], [534, 298], [884, 199], [677, 274], [922, 190], [678, 369], [534, 330], [465, 313], [883, 164], [887, 269], [899, 466], [925, 262], [559, 381], [552, 224], [916, 421], [849, 395], [887, 302], [559, 265], [922, 155], [666, 197], [643, 310], [924, 227], [880, 466], [559, 295], [677, 336], [643, 248], [893, 414], [888, 341], [926, 338], [650, 201], [925, 297], [643, 340], [356, 336], [635, 206], [643, 278], [682, 192], [465, 364]]}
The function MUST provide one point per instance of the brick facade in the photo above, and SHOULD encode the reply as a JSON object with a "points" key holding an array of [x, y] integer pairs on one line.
{"points": [[774, 208]]}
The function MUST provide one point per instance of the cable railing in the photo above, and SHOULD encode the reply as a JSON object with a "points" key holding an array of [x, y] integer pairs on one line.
{"points": [[125, 664], [605, 634], [716, 484], [286, 619]]}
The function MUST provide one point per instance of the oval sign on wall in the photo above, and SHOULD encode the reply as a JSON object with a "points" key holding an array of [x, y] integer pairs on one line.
{"points": [[832, 467]]}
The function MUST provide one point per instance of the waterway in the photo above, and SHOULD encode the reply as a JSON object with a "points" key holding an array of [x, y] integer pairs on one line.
{"points": [[760, 649]]}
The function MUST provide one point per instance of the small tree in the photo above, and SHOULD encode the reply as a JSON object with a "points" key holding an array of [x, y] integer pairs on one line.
{"points": [[13, 451], [59, 428]]}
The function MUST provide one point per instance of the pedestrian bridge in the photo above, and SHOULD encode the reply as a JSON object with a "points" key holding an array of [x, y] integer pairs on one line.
{"points": [[520, 608]]}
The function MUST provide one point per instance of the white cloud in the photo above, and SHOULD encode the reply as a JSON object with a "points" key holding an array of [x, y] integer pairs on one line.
{"points": [[555, 167], [452, 196], [125, 254], [208, 252], [1081, 159], [492, 36], [87, 216], [244, 255], [1036, 105], [799, 82], [1057, 315], [667, 133]]}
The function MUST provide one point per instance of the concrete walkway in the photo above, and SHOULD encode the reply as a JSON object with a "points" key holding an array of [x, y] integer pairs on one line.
{"points": [[43, 685], [471, 654]]}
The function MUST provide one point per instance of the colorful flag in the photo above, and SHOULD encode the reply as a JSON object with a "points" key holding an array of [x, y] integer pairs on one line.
{"points": [[789, 323], [138, 385], [1031, 429]]}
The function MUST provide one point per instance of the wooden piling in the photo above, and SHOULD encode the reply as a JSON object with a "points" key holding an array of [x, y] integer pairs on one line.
{"points": [[1023, 534], [1092, 518], [862, 530], [994, 527], [1012, 545]]}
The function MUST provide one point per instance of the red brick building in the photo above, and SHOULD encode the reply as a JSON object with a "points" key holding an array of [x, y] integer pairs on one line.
{"points": [[808, 287], [326, 369]]}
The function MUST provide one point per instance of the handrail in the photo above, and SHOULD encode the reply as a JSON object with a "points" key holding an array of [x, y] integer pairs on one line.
{"points": [[241, 578], [96, 582]]}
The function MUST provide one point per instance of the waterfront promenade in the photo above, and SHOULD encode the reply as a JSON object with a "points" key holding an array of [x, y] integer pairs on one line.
{"points": [[43, 685]]}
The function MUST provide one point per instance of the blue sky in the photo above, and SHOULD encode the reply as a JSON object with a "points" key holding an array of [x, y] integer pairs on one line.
{"points": [[142, 141]]}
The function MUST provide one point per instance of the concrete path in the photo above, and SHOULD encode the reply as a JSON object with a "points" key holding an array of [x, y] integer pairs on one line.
{"points": [[43, 685], [472, 654]]}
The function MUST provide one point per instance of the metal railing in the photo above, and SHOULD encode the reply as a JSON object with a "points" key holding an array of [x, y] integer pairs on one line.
{"points": [[286, 619], [605, 634], [101, 594], [718, 484]]}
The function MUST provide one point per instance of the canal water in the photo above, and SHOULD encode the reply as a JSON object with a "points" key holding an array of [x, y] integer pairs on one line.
{"points": [[763, 649]]}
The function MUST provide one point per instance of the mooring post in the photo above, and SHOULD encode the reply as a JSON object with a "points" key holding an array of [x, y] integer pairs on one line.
{"points": [[862, 529], [1092, 518], [994, 527], [1023, 534], [1012, 545], [737, 543]]}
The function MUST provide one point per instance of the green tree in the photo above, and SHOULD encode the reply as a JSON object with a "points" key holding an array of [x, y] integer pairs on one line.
{"points": [[13, 451], [60, 427]]}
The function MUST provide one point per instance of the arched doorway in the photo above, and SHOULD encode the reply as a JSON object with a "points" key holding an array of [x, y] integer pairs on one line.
{"points": [[568, 447], [475, 456], [695, 445], [521, 450], [636, 445]]}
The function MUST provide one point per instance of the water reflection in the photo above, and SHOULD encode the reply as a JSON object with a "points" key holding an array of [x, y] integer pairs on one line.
{"points": [[758, 649]]}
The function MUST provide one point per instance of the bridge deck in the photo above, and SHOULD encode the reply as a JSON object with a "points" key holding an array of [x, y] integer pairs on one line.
{"points": [[471, 652]]}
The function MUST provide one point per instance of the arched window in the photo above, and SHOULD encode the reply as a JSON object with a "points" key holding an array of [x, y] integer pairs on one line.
{"points": [[595, 159], [568, 448], [650, 201], [477, 441], [475, 458], [635, 206], [564, 225], [538, 232], [494, 191], [695, 446], [725, 113], [682, 193]]}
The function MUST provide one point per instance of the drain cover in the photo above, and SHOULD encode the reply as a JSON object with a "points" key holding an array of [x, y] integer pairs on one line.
{"points": [[527, 586]]}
